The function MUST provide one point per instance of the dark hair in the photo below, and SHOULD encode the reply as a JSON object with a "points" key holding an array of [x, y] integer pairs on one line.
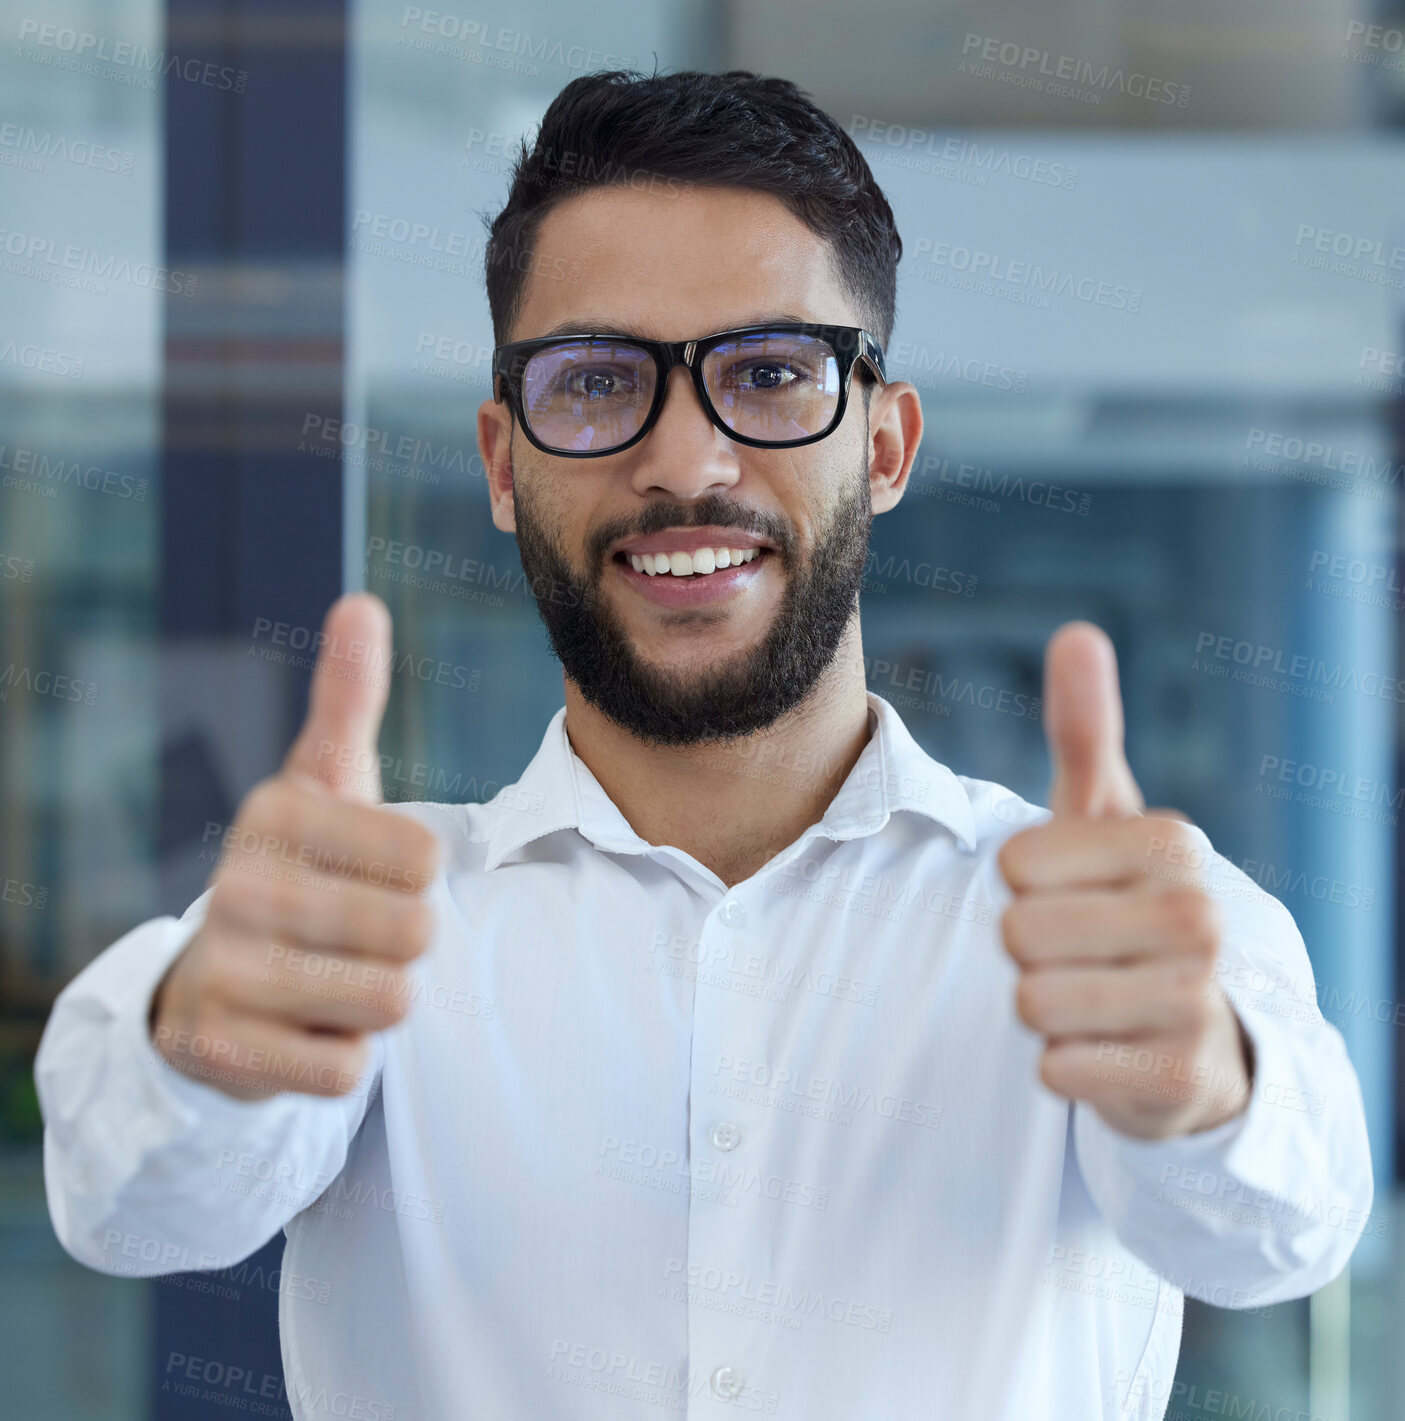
{"points": [[736, 129]]}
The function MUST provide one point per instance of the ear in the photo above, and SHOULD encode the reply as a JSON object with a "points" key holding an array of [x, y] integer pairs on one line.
{"points": [[894, 432], [495, 449]]}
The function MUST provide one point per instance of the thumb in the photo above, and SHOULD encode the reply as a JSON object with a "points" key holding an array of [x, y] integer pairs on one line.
{"points": [[350, 686], [1083, 722]]}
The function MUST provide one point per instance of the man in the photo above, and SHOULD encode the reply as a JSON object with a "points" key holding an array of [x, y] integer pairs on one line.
{"points": [[740, 1056]]}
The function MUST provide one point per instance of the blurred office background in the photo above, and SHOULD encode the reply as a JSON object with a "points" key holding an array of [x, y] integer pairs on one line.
{"points": [[243, 337]]}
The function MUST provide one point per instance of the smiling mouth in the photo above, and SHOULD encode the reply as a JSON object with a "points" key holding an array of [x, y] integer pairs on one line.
{"points": [[699, 563]]}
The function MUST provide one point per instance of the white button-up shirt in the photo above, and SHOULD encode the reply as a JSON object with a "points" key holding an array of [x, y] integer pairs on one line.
{"points": [[646, 1144]]}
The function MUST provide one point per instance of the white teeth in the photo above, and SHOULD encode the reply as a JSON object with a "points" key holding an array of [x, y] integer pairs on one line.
{"points": [[700, 562]]}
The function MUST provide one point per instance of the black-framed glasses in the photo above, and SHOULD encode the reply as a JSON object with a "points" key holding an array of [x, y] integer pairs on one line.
{"points": [[773, 386]]}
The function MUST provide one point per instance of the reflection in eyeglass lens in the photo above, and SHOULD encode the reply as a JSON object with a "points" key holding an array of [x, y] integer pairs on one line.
{"points": [[775, 386], [588, 394]]}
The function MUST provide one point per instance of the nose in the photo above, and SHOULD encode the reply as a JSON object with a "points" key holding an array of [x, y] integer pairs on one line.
{"points": [[684, 454]]}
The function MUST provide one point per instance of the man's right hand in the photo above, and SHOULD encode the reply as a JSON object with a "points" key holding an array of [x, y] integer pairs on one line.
{"points": [[318, 903]]}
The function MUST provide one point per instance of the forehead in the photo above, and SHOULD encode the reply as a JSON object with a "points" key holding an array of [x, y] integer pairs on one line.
{"points": [[677, 262]]}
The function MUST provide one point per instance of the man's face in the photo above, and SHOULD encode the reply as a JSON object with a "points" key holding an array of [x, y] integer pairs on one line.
{"points": [[708, 656]]}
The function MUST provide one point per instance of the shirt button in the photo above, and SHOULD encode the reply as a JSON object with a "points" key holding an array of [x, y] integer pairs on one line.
{"points": [[732, 913], [727, 1383], [726, 1135]]}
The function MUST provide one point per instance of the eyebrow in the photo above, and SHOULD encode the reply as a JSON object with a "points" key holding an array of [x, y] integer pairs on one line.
{"points": [[590, 325]]}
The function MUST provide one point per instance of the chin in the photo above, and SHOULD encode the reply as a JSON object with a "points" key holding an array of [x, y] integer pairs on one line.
{"points": [[704, 644]]}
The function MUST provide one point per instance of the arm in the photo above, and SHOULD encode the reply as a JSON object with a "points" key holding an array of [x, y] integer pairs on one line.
{"points": [[1218, 1123], [201, 1080], [1269, 1204]]}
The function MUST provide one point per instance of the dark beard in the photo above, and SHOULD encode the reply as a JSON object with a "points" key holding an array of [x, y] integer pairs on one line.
{"points": [[748, 692]]}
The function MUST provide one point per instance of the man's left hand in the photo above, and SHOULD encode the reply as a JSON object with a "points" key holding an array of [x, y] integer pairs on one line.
{"points": [[1116, 940]]}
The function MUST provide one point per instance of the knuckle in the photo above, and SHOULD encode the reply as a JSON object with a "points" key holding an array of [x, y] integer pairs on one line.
{"points": [[384, 924], [1197, 920], [189, 1013], [217, 908], [355, 1055], [416, 850], [229, 898], [1187, 997], [1012, 858], [1052, 1068], [403, 925], [1029, 1001], [1014, 927], [216, 982], [391, 1000], [341, 1063], [418, 927], [1168, 841], [1178, 834]]}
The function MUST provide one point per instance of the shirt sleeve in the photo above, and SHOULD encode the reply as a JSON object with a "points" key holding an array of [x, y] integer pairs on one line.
{"points": [[150, 1171], [1269, 1205]]}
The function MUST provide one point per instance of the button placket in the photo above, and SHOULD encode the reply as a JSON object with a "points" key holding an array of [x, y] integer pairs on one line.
{"points": [[721, 1218]]}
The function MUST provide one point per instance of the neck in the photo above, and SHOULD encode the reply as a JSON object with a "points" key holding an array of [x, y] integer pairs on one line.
{"points": [[733, 805]]}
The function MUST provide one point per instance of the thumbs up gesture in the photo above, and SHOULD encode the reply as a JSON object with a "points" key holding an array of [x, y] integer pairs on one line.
{"points": [[1117, 955], [318, 900]]}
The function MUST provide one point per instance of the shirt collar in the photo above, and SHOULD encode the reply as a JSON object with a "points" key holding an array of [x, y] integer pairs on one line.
{"points": [[558, 791]]}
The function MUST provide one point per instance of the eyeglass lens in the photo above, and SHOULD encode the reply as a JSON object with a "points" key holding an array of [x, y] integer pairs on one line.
{"points": [[592, 395]]}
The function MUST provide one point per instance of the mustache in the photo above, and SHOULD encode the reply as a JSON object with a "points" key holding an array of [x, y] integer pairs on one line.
{"points": [[711, 511]]}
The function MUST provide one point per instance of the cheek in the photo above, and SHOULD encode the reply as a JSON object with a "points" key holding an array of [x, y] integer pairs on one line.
{"points": [[564, 519]]}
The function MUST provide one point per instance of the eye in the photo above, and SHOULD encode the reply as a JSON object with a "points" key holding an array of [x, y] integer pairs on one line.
{"points": [[762, 374], [596, 382]]}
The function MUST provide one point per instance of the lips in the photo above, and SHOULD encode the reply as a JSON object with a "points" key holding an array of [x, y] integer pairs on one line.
{"points": [[689, 540]]}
